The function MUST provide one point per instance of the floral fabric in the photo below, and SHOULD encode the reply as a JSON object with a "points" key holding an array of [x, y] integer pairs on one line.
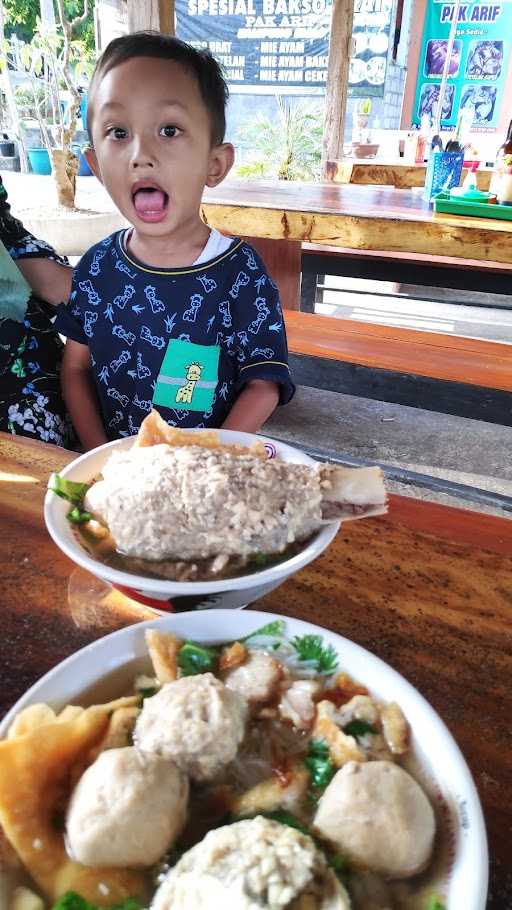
{"points": [[31, 352]]}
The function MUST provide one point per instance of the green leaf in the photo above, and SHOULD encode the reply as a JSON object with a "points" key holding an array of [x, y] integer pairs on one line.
{"points": [[286, 818], [311, 647], [319, 764], [272, 629], [339, 865], [318, 748], [69, 489], [148, 692], [434, 903], [78, 516], [261, 559], [73, 901], [358, 728], [194, 658]]}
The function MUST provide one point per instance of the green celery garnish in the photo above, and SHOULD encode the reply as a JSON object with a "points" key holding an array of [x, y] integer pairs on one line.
{"points": [[286, 818], [148, 692], [434, 903], [74, 493], [78, 516], [339, 866], [73, 901], [319, 764], [358, 728], [69, 489], [260, 559], [311, 647], [273, 629], [194, 658]]}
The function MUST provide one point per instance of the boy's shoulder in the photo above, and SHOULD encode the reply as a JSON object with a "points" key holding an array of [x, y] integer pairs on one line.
{"points": [[94, 257], [247, 257]]}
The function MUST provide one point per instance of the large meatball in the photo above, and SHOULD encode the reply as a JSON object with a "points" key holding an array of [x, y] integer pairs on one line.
{"points": [[256, 864], [196, 721], [379, 818], [126, 810]]}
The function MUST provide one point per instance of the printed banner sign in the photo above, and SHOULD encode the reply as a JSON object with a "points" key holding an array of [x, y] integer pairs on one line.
{"points": [[478, 66], [280, 45]]}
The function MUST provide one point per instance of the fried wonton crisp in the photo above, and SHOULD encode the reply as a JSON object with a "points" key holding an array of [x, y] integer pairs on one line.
{"points": [[36, 767]]}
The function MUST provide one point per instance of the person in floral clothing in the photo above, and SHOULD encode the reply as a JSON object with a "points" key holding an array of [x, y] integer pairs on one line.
{"points": [[31, 402]]}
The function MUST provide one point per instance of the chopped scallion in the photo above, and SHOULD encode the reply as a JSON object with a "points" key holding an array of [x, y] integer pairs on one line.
{"points": [[194, 658]]}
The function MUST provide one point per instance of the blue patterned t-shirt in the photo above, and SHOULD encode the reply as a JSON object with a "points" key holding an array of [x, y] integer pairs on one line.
{"points": [[183, 340]]}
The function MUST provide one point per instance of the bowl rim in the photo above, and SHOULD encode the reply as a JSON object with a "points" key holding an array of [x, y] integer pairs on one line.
{"points": [[472, 839], [317, 544]]}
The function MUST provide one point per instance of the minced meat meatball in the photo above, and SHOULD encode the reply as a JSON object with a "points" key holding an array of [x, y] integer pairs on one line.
{"points": [[255, 864]]}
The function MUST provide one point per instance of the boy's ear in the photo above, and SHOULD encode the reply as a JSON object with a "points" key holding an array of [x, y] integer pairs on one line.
{"points": [[222, 158], [90, 156]]}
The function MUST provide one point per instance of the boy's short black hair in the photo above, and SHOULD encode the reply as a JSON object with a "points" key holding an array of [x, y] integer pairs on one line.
{"points": [[200, 63]]}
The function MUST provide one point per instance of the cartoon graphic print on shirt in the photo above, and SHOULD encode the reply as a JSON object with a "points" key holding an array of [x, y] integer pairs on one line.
{"points": [[184, 340], [188, 376]]}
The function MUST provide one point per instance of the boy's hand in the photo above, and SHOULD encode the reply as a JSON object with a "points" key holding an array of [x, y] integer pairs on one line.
{"points": [[256, 402]]}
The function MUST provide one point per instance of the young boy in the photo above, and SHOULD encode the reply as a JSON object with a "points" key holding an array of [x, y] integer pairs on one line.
{"points": [[168, 313]]}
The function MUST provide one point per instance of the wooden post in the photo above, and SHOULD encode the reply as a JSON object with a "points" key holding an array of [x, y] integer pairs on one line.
{"points": [[337, 81], [157, 15]]}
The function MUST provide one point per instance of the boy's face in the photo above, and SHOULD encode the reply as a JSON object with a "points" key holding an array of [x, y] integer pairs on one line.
{"points": [[152, 145]]}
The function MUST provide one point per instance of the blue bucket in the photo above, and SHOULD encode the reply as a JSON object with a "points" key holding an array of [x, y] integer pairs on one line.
{"points": [[39, 161], [83, 168], [83, 110]]}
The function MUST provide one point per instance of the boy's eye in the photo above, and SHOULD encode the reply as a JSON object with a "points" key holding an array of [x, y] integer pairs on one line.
{"points": [[169, 130], [117, 132]]}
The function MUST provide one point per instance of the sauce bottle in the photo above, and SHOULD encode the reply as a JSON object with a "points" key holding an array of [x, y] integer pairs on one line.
{"points": [[502, 164]]}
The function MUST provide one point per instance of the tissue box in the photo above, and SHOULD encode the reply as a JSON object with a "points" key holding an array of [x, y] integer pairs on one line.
{"points": [[444, 171]]}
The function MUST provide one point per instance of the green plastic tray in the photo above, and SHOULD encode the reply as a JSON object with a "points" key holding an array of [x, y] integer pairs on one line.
{"points": [[443, 203]]}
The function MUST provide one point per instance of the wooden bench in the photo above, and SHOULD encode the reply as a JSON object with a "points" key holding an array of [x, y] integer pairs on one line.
{"points": [[463, 376]]}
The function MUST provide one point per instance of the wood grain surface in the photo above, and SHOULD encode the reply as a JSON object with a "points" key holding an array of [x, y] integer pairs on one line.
{"points": [[470, 360], [358, 217], [390, 173], [427, 588]]}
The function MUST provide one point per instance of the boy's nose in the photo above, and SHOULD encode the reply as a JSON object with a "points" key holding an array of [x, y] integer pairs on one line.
{"points": [[142, 155]]}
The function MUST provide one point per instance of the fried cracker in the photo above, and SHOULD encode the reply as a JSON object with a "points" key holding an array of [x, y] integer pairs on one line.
{"points": [[155, 431], [35, 768], [163, 650]]}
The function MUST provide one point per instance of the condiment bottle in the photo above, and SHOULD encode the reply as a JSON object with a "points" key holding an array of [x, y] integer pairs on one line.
{"points": [[422, 148], [501, 163]]}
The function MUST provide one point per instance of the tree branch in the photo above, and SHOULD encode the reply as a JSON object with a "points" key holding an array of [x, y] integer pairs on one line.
{"points": [[77, 20]]}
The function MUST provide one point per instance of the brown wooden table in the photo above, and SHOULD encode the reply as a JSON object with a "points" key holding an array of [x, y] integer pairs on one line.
{"points": [[355, 217], [427, 588], [280, 217]]}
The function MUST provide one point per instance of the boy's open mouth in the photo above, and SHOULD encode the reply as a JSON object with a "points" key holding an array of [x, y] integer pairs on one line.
{"points": [[150, 202]]}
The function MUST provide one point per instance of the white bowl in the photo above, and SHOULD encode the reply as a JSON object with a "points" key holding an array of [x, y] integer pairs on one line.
{"points": [[436, 759], [233, 592]]}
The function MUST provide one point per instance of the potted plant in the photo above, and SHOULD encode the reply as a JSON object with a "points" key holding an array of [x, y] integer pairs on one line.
{"points": [[54, 62], [362, 113], [288, 147]]}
